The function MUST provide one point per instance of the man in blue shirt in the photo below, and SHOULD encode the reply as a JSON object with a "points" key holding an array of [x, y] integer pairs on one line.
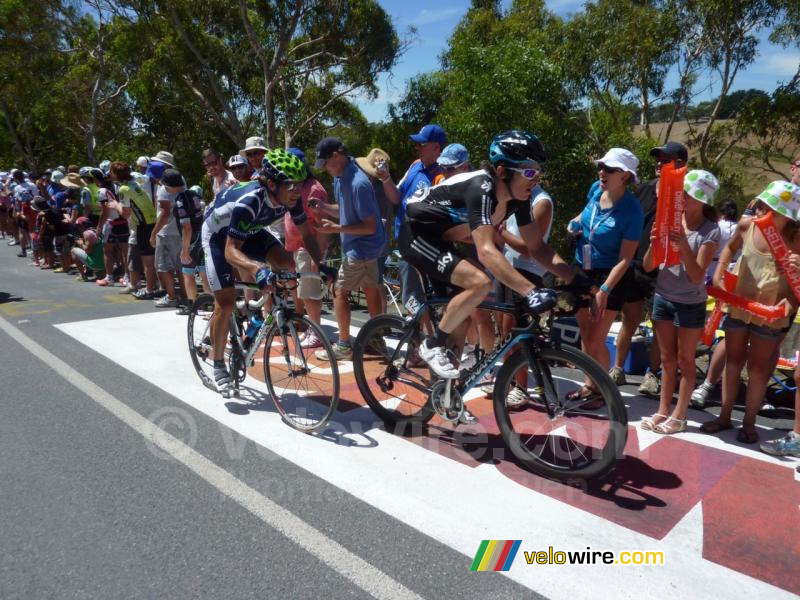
{"points": [[423, 173], [362, 235]]}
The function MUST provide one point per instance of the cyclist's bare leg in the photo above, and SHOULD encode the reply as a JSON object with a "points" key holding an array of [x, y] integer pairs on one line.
{"points": [[224, 302], [476, 285]]}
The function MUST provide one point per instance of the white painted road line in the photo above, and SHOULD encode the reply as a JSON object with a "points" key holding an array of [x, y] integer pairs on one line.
{"points": [[361, 573]]}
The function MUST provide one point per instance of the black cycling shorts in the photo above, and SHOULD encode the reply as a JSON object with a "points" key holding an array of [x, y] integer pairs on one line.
{"points": [[430, 254]]}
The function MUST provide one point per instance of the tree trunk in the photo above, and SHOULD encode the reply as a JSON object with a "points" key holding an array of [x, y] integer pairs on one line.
{"points": [[12, 130]]}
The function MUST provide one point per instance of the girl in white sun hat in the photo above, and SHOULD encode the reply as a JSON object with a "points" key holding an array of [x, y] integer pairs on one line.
{"points": [[752, 340], [679, 305]]}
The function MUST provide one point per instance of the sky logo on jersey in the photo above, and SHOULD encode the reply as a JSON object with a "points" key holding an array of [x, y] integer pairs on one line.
{"points": [[495, 555]]}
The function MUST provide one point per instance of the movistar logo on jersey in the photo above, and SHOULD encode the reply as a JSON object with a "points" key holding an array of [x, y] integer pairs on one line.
{"points": [[248, 227]]}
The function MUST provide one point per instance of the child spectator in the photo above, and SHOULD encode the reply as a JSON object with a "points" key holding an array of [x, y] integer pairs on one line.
{"points": [[679, 305], [88, 252], [752, 340]]}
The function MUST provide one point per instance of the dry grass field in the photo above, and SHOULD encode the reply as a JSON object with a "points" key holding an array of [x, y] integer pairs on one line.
{"points": [[756, 177]]}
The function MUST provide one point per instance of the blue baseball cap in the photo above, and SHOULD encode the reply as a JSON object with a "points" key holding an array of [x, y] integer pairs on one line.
{"points": [[430, 133], [454, 155], [155, 169]]}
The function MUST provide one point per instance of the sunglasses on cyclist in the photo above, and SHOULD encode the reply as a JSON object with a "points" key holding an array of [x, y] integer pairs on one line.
{"points": [[292, 185], [526, 173], [607, 169]]}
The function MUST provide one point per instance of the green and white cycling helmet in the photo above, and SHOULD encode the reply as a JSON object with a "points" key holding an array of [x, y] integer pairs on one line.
{"points": [[280, 165], [782, 197], [702, 186]]}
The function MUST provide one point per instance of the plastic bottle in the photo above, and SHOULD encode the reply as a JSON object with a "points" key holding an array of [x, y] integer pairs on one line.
{"points": [[253, 325]]}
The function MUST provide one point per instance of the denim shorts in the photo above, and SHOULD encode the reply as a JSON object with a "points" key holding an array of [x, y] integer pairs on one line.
{"points": [[760, 331], [690, 316]]}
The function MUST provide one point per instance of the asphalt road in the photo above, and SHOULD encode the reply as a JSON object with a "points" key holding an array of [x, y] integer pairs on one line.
{"points": [[90, 509]]}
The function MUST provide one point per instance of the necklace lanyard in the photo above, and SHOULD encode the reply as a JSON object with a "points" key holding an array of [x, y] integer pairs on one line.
{"points": [[592, 225]]}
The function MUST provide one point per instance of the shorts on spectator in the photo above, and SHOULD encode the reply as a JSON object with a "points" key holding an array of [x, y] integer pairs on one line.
{"points": [[621, 292], [355, 274], [642, 284], [690, 316], [116, 232], [310, 285], [760, 331], [168, 253], [143, 233]]}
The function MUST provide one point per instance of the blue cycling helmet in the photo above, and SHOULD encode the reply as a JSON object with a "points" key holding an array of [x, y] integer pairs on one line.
{"points": [[516, 147]]}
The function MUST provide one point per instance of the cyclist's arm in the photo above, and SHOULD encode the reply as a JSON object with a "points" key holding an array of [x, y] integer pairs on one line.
{"points": [[493, 260], [238, 259], [544, 254]]}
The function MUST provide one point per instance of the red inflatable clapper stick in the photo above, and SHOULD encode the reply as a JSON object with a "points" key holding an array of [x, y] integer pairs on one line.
{"points": [[669, 210], [712, 324], [771, 313], [779, 250]]}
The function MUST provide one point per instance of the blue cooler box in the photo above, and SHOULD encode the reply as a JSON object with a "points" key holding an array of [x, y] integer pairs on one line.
{"points": [[637, 361]]}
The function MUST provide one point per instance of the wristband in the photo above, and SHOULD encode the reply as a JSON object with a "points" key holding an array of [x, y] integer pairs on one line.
{"points": [[605, 288]]}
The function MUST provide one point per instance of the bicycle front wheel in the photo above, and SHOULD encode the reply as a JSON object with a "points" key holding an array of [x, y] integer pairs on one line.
{"points": [[198, 331], [390, 374], [547, 426], [302, 382]]}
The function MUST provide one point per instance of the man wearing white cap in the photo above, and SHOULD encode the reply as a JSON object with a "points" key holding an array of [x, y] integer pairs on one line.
{"points": [[141, 164]]}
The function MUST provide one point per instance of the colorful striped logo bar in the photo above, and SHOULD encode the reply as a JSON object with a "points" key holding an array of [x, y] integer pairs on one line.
{"points": [[495, 555]]}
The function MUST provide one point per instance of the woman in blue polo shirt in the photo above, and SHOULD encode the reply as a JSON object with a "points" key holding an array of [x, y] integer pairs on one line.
{"points": [[608, 232]]}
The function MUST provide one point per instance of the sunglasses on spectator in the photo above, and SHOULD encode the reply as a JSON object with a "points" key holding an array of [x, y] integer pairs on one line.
{"points": [[526, 173], [452, 167], [237, 167], [254, 153], [607, 169], [211, 163], [796, 164], [420, 144]]}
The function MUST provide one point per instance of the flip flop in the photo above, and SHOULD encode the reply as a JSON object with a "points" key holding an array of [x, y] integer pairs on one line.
{"points": [[747, 436], [715, 426]]}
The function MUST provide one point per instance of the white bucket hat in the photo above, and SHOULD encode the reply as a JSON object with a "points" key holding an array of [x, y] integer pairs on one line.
{"points": [[164, 157], [701, 185], [782, 197], [253, 143], [621, 158]]}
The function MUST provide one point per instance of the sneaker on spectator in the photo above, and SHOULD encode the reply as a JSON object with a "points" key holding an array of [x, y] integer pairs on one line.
{"points": [[340, 352], [143, 294], [700, 396], [22, 254], [517, 398], [650, 384], [789, 445], [13, 243], [618, 376], [310, 341], [165, 302], [105, 282], [439, 359]]}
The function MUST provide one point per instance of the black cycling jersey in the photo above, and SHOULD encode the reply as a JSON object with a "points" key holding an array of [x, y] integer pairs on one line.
{"points": [[188, 208], [465, 198]]}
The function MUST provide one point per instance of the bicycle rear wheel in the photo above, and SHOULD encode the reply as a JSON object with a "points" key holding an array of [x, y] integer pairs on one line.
{"points": [[391, 376], [550, 434], [198, 330], [304, 388]]}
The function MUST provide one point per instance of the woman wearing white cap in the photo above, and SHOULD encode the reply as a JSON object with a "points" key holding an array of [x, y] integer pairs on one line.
{"points": [[608, 232], [751, 340], [679, 305]]}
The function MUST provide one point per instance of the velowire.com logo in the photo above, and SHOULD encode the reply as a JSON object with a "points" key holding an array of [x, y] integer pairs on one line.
{"points": [[495, 555]]}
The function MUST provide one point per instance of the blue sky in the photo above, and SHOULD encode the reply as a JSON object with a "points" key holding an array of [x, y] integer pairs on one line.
{"points": [[435, 23]]}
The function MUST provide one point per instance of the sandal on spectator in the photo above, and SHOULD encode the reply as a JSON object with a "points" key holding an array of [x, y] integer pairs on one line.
{"points": [[589, 398], [715, 426], [747, 435], [670, 426], [649, 423]]}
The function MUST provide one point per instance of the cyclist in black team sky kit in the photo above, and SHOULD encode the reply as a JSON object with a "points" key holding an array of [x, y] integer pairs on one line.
{"points": [[468, 208], [234, 235]]}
